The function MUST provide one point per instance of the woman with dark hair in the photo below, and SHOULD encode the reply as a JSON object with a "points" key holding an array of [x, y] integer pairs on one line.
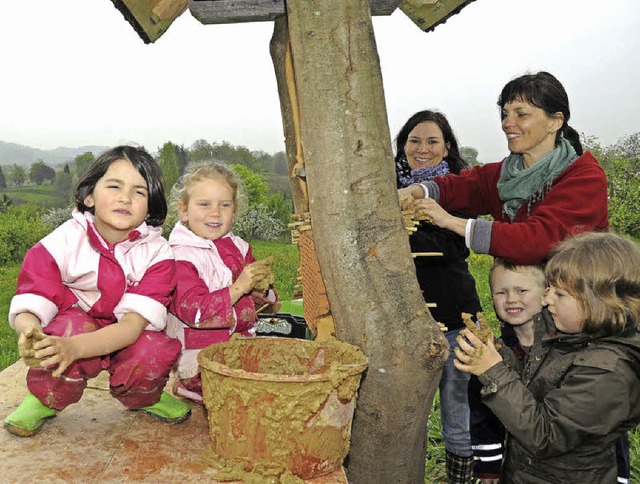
{"points": [[545, 190], [453, 162], [425, 148]]}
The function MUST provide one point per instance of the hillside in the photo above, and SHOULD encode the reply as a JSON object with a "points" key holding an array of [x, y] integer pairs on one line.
{"points": [[11, 153]]}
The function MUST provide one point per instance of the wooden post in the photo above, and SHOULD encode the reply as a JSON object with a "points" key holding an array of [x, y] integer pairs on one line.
{"points": [[280, 49]]}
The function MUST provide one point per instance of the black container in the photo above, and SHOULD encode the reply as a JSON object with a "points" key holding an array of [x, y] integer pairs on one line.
{"points": [[284, 325]]}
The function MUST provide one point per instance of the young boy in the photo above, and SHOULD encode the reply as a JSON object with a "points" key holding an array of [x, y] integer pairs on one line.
{"points": [[517, 293]]}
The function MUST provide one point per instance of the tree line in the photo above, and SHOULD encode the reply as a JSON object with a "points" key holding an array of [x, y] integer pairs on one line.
{"points": [[268, 191], [621, 162], [268, 199]]}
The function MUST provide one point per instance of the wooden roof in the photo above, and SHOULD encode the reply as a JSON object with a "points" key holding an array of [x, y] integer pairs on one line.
{"points": [[428, 14], [151, 18]]}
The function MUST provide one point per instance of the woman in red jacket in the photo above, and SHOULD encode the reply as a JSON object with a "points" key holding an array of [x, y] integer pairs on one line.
{"points": [[544, 191]]}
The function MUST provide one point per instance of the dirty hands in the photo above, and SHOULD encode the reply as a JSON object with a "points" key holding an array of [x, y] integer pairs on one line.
{"points": [[429, 210], [266, 302], [474, 356], [26, 342], [412, 199], [268, 277], [40, 350], [257, 275], [411, 192]]}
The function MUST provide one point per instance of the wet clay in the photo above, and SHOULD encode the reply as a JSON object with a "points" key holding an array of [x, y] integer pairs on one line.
{"points": [[26, 348], [269, 278], [279, 409], [482, 331]]}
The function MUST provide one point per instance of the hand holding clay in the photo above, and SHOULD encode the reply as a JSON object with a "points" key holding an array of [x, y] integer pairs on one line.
{"points": [[26, 349], [483, 331], [264, 276], [473, 355]]}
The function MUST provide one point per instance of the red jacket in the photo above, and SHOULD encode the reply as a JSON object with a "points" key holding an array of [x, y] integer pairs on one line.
{"points": [[576, 203]]}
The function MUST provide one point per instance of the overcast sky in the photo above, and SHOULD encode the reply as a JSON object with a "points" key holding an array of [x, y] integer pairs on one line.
{"points": [[74, 72]]}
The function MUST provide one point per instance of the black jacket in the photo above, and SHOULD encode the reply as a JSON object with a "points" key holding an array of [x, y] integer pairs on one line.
{"points": [[445, 280]]}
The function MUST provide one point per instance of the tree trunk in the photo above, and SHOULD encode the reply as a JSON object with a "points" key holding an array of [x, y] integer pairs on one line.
{"points": [[362, 244]]}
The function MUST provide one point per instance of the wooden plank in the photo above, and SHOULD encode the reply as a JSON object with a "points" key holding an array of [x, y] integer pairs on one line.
{"points": [[150, 18], [170, 9], [428, 14], [236, 11]]}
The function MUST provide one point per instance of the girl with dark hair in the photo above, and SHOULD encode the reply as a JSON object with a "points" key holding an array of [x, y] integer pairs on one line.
{"points": [[426, 147], [92, 296], [146, 166], [544, 191]]}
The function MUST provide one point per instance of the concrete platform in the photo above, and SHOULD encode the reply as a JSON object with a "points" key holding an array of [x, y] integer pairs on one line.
{"points": [[98, 440]]}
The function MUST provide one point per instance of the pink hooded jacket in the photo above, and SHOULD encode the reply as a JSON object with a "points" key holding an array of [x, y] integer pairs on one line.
{"points": [[75, 266]]}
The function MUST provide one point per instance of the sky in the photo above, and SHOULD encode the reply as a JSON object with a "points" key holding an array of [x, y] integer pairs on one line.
{"points": [[75, 73]]}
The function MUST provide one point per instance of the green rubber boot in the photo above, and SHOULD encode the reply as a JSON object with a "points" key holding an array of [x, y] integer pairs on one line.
{"points": [[29, 417], [169, 409]]}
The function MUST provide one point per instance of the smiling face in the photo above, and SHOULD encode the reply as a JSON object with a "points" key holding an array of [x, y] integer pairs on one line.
{"points": [[529, 130], [425, 145], [210, 209], [517, 294], [568, 315], [119, 200]]}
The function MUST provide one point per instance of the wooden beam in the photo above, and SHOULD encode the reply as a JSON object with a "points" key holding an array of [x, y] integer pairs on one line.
{"points": [[235, 11]]}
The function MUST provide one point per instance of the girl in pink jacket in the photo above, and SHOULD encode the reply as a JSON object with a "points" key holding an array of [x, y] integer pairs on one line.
{"points": [[92, 296], [214, 295]]}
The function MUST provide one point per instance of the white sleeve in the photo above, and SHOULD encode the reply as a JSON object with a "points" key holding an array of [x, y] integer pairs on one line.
{"points": [[424, 189], [467, 233]]}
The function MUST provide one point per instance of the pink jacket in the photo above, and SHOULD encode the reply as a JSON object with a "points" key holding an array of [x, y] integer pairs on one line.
{"points": [[201, 300], [75, 266]]}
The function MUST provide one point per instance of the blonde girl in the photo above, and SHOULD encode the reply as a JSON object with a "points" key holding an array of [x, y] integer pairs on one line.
{"points": [[215, 295]]}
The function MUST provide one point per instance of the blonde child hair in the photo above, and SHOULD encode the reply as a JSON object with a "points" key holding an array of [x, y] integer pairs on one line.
{"points": [[206, 170], [537, 270], [602, 271]]}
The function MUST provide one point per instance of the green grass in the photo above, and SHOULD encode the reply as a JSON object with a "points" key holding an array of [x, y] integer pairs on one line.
{"points": [[285, 268], [8, 339], [285, 265], [44, 195]]}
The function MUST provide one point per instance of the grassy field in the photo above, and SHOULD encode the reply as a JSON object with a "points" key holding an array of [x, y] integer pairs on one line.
{"points": [[286, 265], [45, 195], [8, 340]]}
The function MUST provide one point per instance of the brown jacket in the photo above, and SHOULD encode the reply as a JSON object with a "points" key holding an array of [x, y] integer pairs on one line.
{"points": [[577, 395]]}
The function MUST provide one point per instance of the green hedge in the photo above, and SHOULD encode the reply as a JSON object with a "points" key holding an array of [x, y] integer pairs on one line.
{"points": [[21, 227]]}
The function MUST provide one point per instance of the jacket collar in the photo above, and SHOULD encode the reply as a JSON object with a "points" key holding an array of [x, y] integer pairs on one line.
{"points": [[143, 232], [182, 236]]}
